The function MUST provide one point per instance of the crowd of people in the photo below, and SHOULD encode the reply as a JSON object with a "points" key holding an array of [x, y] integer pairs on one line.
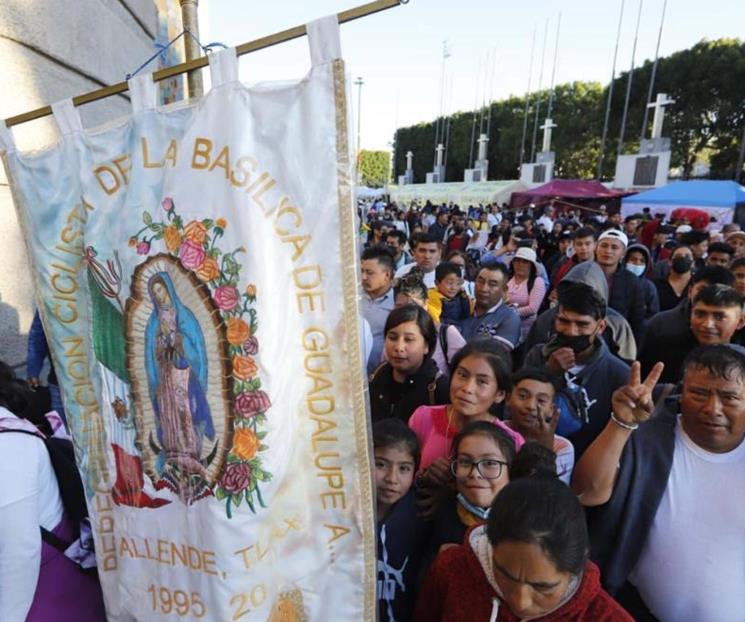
{"points": [[558, 410]]}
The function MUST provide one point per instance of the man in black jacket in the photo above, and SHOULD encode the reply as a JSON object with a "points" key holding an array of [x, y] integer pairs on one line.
{"points": [[625, 290], [668, 333]]}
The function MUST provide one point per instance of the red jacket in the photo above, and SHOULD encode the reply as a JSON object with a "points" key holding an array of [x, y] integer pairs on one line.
{"points": [[457, 590]]}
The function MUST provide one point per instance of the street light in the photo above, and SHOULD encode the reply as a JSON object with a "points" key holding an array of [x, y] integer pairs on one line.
{"points": [[358, 83]]}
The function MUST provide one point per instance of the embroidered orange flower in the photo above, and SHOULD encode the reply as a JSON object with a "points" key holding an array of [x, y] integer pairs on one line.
{"points": [[222, 223], [172, 238], [196, 232], [238, 331], [132, 241], [209, 270], [245, 443], [251, 290], [244, 367]]}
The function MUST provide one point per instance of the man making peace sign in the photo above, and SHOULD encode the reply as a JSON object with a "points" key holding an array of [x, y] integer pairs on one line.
{"points": [[668, 532]]}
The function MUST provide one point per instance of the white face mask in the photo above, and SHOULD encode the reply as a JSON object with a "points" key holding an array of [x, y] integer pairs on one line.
{"points": [[635, 269]]}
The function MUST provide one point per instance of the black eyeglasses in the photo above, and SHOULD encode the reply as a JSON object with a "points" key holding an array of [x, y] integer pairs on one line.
{"points": [[488, 468]]}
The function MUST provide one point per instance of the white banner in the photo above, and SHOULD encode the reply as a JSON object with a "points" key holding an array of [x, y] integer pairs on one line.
{"points": [[197, 276]]}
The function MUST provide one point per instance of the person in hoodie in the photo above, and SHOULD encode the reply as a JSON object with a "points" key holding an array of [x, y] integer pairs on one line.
{"points": [[588, 372], [667, 330], [399, 534], [637, 261], [529, 562], [617, 335], [625, 293]]}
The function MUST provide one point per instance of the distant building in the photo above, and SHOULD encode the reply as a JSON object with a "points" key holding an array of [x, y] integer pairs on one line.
{"points": [[50, 51]]}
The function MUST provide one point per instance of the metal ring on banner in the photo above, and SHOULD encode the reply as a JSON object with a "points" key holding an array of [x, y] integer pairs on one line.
{"points": [[7, 142], [324, 40], [223, 66], [67, 117], [142, 92]]}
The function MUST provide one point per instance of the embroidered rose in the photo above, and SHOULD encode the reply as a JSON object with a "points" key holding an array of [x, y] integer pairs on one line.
{"points": [[226, 297], [222, 223], [196, 232], [244, 367], [251, 290], [192, 255], [167, 204], [236, 477], [250, 403], [209, 270], [245, 443], [251, 346], [172, 238], [237, 331], [143, 248]]}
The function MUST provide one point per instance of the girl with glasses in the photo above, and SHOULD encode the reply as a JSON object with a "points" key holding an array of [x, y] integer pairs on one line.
{"points": [[478, 470]]}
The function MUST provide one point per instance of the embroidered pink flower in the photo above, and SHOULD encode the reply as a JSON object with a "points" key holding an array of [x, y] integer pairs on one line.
{"points": [[167, 204], [251, 346], [226, 297], [249, 404], [143, 248], [192, 255], [236, 477]]}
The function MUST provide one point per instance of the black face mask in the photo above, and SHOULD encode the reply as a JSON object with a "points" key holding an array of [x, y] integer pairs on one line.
{"points": [[681, 265], [577, 343]]}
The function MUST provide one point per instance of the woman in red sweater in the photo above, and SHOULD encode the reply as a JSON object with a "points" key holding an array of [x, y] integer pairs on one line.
{"points": [[529, 562]]}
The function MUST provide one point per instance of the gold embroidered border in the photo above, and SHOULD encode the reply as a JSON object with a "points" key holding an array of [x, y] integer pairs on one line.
{"points": [[350, 270]]}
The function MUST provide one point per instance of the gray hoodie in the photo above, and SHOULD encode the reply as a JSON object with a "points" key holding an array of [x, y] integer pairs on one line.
{"points": [[618, 335]]}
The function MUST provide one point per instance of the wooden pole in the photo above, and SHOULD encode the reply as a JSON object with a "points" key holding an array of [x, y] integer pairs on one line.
{"points": [[190, 22], [246, 48]]}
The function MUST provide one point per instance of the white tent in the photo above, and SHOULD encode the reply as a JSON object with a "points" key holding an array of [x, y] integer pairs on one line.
{"points": [[462, 193]]}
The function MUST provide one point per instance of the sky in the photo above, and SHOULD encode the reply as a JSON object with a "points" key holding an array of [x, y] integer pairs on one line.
{"points": [[399, 52]]}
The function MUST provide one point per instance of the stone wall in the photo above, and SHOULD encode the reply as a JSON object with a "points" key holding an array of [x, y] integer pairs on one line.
{"points": [[50, 51]]}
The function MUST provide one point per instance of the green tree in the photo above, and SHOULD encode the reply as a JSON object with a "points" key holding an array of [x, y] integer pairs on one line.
{"points": [[706, 81], [375, 168]]}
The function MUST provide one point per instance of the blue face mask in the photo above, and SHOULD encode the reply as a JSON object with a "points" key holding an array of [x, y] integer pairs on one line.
{"points": [[634, 269]]}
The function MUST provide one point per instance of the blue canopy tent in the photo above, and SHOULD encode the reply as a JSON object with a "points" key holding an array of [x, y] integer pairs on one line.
{"points": [[723, 199]]}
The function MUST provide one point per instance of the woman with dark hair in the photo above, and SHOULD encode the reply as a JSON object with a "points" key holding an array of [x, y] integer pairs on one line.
{"points": [[524, 290], [37, 582], [409, 377], [478, 385], [410, 289], [529, 562], [674, 288]]}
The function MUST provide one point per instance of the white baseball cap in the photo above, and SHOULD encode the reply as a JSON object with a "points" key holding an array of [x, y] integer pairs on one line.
{"points": [[684, 229], [614, 234]]}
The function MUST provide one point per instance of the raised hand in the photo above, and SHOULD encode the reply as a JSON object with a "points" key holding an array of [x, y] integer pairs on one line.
{"points": [[545, 429], [632, 403]]}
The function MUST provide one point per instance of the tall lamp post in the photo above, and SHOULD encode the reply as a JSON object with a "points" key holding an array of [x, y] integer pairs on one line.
{"points": [[358, 83]]}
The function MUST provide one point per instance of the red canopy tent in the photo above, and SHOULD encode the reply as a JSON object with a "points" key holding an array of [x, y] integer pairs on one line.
{"points": [[565, 192]]}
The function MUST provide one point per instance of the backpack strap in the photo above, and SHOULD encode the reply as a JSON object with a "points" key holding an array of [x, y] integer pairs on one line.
{"points": [[46, 535]]}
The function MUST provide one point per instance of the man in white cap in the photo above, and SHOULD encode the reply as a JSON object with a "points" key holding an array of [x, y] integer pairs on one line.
{"points": [[625, 290]]}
